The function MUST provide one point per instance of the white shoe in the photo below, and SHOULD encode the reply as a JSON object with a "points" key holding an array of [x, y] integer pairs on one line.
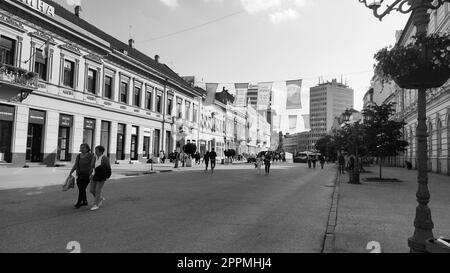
{"points": [[101, 201], [95, 208]]}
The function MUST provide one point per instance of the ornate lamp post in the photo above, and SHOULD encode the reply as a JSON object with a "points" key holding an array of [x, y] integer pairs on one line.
{"points": [[423, 223]]}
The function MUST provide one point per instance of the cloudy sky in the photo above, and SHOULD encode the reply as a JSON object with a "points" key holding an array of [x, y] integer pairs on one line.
{"points": [[231, 41]]}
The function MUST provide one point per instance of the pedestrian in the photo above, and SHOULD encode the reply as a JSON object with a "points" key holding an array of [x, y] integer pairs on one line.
{"points": [[322, 161], [267, 160], [206, 160], [341, 161], [102, 172], [176, 159], [164, 157], [314, 161], [259, 162], [84, 166], [212, 158], [309, 161]]}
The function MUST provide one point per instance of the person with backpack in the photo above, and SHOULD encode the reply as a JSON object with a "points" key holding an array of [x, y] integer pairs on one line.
{"points": [[84, 166], [102, 172], [212, 158]]}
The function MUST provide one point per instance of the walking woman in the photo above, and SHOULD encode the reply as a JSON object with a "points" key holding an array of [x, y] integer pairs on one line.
{"points": [[84, 166], [259, 162], [102, 173]]}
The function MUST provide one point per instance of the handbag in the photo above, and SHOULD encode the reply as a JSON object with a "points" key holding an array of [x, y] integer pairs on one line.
{"points": [[69, 183]]}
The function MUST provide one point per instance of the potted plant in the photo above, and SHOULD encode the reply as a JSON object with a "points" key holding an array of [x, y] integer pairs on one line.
{"points": [[424, 63]]}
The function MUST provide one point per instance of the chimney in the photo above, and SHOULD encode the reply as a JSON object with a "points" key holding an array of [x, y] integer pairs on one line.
{"points": [[157, 58], [131, 42], [78, 10]]}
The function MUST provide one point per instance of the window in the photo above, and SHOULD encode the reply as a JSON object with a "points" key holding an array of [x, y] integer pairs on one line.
{"points": [[137, 97], [158, 103], [69, 73], [124, 92], [92, 81], [149, 100], [169, 106], [7, 49], [108, 87], [195, 113], [188, 111], [179, 111], [40, 64]]}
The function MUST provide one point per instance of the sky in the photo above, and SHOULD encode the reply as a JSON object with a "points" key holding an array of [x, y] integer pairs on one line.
{"points": [[240, 41]]}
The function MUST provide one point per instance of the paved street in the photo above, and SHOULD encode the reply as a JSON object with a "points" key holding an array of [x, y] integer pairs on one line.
{"points": [[233, 210]]}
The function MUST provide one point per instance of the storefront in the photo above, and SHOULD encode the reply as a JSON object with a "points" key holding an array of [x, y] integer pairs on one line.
{"points": [[6, 132], [121, 142], [35, 140], [65, 128], [134, 143], [104, 136], [89, 132]]}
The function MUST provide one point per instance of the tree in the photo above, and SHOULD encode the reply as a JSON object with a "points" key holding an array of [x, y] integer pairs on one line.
{"points": [[190, 149], [327, 146], [383, 134]]}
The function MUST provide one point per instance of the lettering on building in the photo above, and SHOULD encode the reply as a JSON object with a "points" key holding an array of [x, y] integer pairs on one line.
{"points": [[40, 6]]}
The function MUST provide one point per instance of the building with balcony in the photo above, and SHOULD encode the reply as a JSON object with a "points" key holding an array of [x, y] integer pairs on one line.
{"points": [[85, 87]]}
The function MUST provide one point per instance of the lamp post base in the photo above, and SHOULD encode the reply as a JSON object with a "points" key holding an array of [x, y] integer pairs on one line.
{"points": [[417, 245]]}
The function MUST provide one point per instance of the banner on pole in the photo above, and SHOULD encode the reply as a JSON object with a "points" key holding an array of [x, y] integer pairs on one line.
{"points": [[292, 122], [294, 94], [264, 95], [211, 90], [241, 94], [307, 122]]}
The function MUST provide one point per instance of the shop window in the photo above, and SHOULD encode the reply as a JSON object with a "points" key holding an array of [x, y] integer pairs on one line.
{"points": [[7, 50]]}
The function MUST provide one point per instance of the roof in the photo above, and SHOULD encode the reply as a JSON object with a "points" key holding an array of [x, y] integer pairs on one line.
{"points": [[117, 44]]}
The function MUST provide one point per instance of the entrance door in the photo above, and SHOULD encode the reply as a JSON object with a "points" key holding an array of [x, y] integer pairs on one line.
{"points": [[134, 150], [5, 141], [120, 147], [63, 144], [146, 147], [34, 143]]}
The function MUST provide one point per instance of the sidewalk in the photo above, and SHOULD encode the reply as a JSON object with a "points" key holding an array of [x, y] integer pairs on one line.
{"points": [[384, 212], [18, 178]]}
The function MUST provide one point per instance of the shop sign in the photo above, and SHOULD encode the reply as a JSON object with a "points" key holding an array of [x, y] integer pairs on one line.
{"points": [[40, 6], [89, 124], [37, 117], [65, 121], [6, 113]]}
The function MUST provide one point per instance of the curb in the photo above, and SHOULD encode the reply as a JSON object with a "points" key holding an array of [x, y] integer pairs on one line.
{"points": [[329, 237]]}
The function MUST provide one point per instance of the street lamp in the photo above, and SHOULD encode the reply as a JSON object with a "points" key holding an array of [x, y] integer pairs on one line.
{"points": [[421, 18]]}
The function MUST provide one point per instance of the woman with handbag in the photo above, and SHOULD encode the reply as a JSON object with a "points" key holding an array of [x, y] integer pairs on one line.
{"points": [[84, 166], [102, 173]]}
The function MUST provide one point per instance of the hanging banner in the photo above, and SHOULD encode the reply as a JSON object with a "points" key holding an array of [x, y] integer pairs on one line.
{"points": [[264, 92], [211, 90], [292, 123], [241, 94], [307, 122], [294, 94]]}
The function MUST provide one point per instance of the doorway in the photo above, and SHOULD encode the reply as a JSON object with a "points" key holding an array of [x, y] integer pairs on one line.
{"points": [[34, 143]]}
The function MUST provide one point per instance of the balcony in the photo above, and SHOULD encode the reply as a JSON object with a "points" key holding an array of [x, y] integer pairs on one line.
{"points": [[17, 83]]}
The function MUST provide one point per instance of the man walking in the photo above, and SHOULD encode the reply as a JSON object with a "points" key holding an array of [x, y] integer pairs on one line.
{"points": [[341, 164], [206, 160], [212, 158], [267, 160], [322, 161]]}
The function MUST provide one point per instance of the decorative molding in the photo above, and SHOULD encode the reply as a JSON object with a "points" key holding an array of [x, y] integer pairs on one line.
{"points": [[12, 23], [43, 36], [94, 58], [71, 48]]}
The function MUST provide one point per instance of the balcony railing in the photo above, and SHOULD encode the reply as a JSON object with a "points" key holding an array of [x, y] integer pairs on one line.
{"points": [[18, 77]]}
